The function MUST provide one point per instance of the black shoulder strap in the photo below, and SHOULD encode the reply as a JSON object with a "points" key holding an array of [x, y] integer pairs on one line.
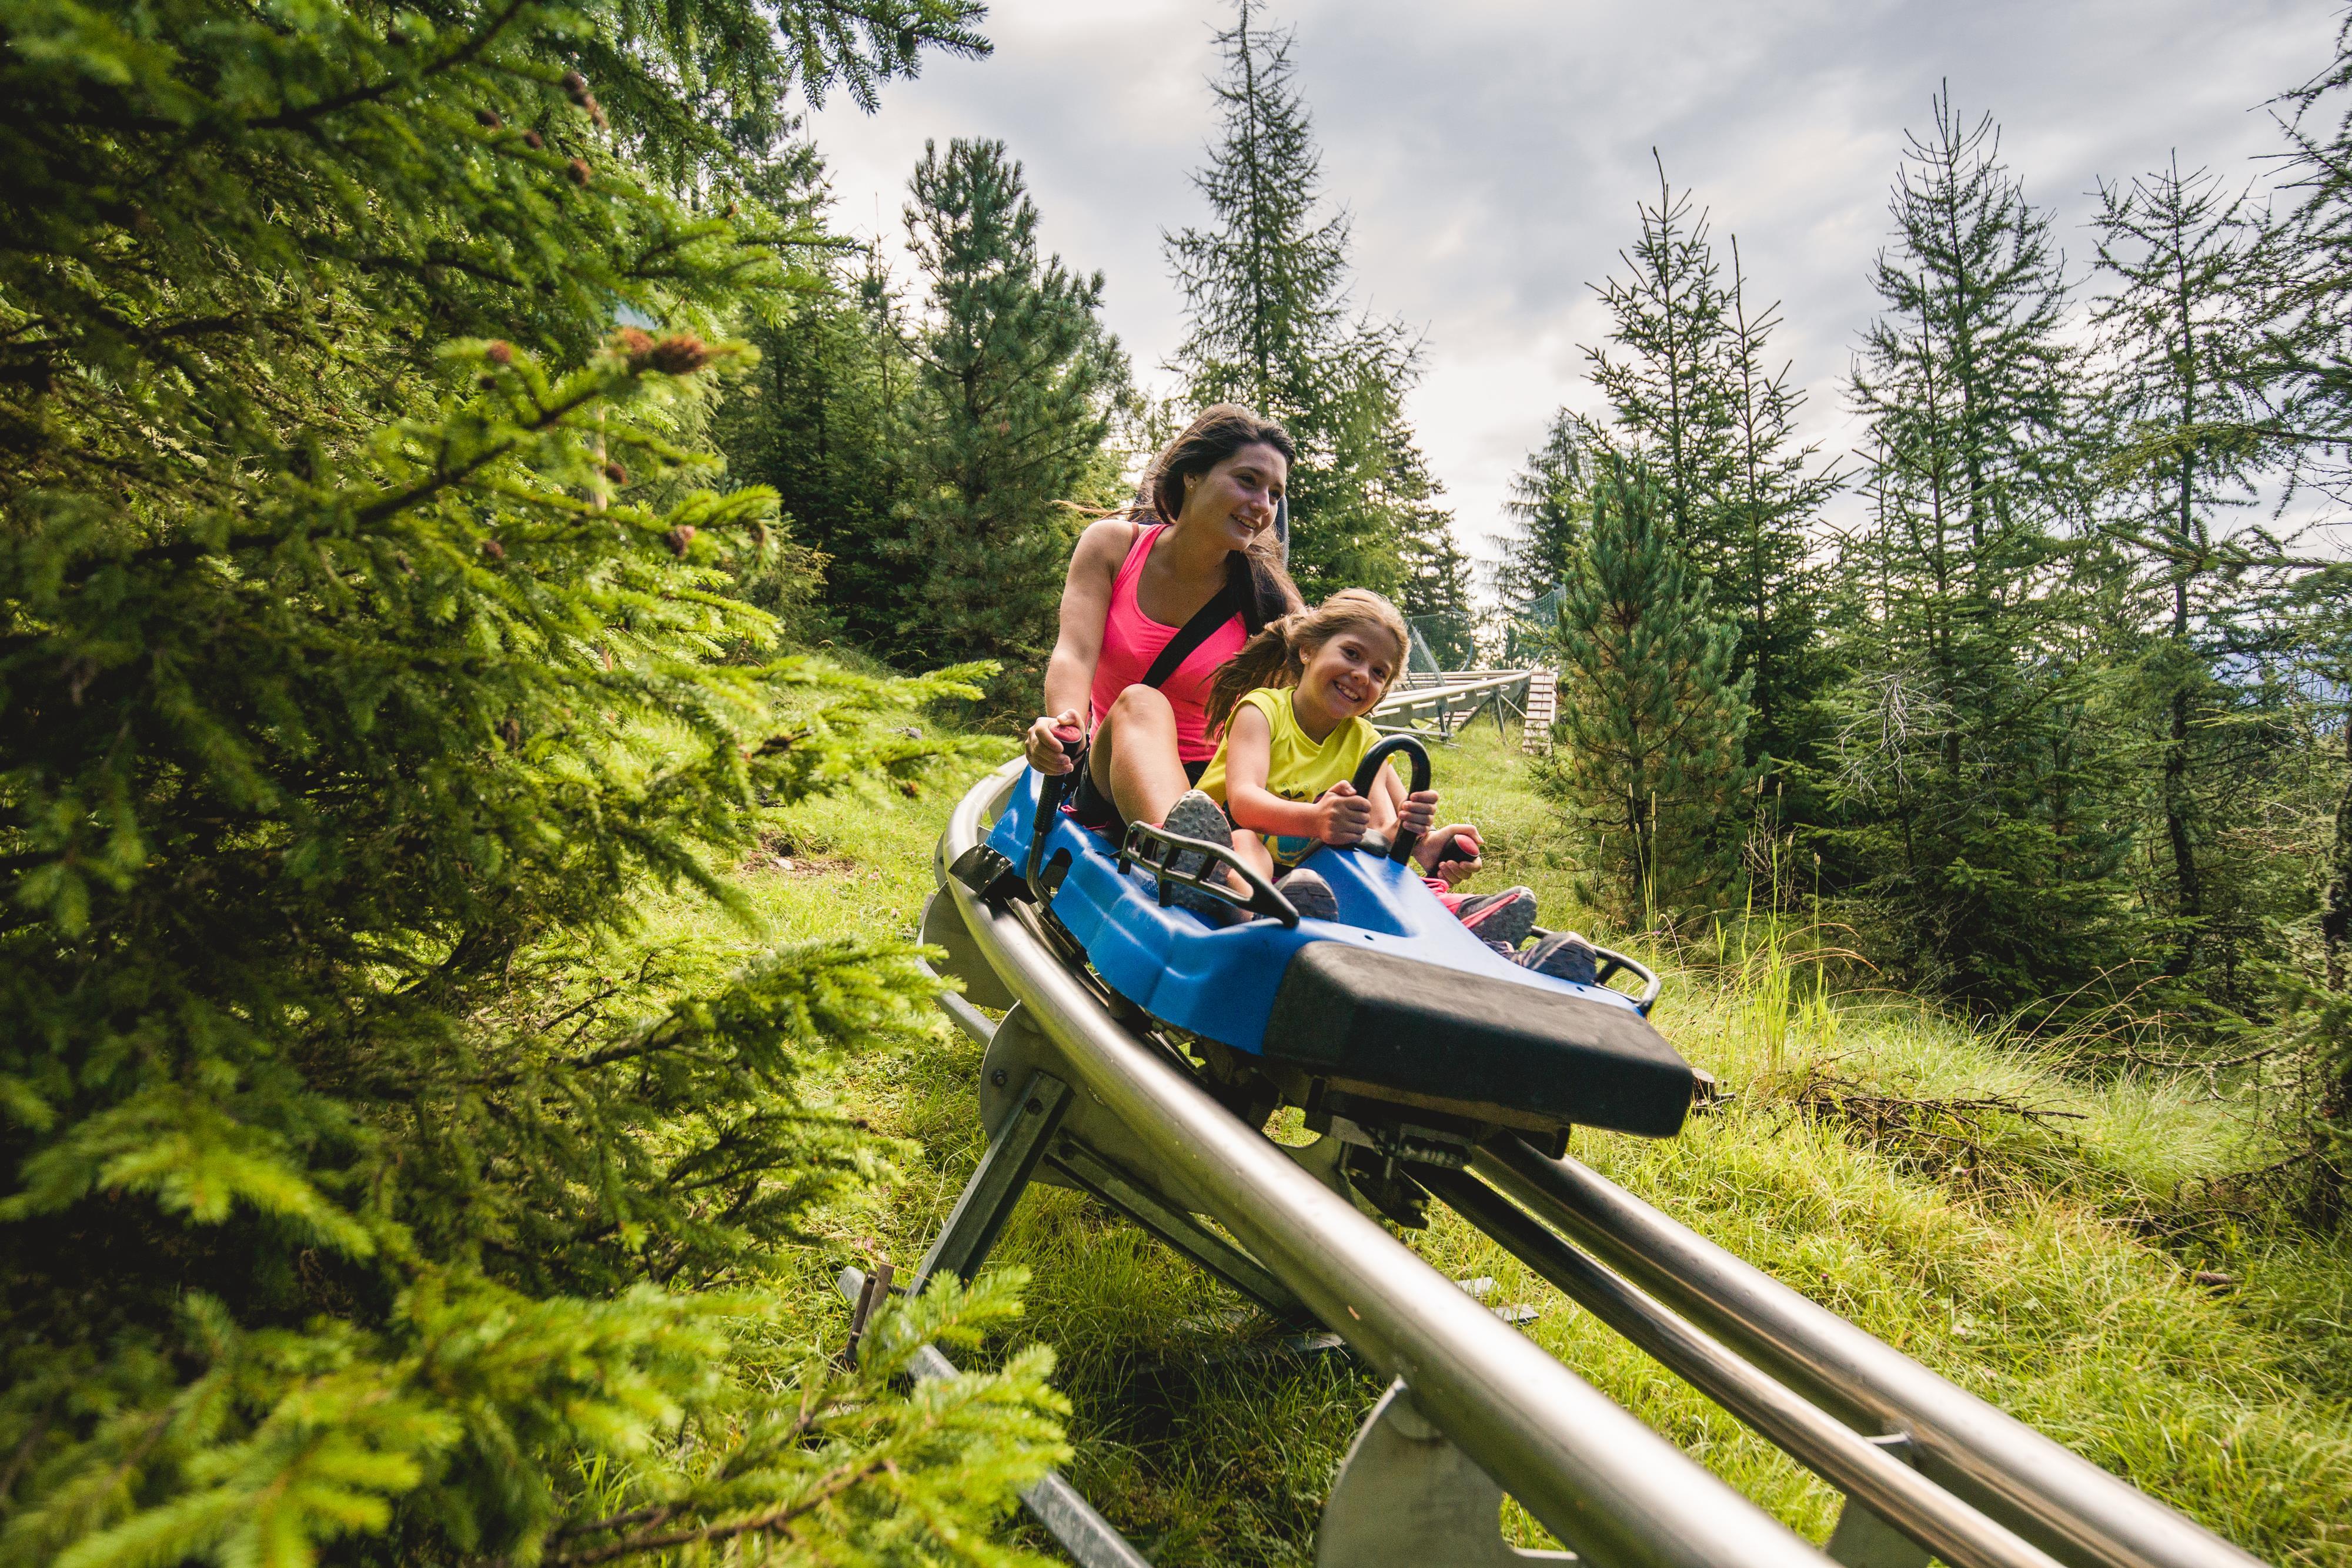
{"points": [[1222, 607]]}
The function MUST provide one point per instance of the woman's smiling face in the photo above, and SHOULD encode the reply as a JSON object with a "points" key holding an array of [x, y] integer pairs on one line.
{"points": [[1347, 673], [1238, 496]]}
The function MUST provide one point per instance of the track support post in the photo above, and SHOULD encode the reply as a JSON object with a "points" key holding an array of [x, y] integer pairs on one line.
{"points": [[1861, 1539], [1406, 1497], [978, 1217]]}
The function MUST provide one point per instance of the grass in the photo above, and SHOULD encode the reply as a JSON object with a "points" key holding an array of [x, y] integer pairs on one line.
{"points": [[2014, 1261]]}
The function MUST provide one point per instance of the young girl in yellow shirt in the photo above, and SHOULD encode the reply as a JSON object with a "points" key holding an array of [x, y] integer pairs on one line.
{"points": [[1294, 704]]}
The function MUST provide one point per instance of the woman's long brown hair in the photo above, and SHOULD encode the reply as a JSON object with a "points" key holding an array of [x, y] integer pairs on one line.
{"points": [[1276, 655]]}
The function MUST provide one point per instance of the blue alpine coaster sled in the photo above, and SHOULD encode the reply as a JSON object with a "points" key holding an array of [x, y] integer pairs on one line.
{"points": [[1392, 1025]]}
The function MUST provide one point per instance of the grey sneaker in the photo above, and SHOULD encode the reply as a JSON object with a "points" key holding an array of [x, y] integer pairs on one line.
{"points": [[1196, 816], [1564, 956], [1506, 917], [1310, 895]]}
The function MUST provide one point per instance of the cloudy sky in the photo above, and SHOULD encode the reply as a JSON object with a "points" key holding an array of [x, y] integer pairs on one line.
{"points": [[1491, 152]]}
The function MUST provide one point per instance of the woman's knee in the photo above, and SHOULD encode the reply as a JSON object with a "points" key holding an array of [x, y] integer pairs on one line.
{"points": [[1140, 705]]}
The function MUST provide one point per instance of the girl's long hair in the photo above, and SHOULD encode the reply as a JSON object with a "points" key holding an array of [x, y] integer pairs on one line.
{"points": [[1276, 655], [1217, 433]]}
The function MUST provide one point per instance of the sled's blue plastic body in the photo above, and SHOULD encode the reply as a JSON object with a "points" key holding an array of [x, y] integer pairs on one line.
{"points": [[1220, 982]]}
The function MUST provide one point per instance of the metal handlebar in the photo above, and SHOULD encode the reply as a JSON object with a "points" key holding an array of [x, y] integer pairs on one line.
{"points": [[1368, 771]]}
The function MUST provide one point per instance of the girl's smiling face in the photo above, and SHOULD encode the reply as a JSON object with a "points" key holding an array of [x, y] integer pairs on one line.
{"points": [[1347, 674]]}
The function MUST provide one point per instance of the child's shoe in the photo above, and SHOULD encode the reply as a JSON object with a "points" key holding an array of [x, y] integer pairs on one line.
{"points": [[1564, 956], [1309, 894], [1506, 917], [1196, 816]]}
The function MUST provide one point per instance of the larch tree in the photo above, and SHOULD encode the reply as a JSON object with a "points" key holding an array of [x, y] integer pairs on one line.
{"points": [[1767, 582], [1017, 383], [2180, 341], [1668, 385], [375, 1190], [1549, 508], [1969, 784], [1647, 765], [1267, 289]]}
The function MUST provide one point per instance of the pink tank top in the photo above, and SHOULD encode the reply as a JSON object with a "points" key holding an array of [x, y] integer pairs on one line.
{"points": [[1132, 640]]}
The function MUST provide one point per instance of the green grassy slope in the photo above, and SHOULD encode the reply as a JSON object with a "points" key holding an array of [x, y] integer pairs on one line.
{"points": [[2012, 1265]]}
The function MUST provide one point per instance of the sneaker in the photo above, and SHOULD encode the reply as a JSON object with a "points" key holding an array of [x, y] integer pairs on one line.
{"points": [[1196, 816], [1506, 917], [1310, 895], [1564, 956]]}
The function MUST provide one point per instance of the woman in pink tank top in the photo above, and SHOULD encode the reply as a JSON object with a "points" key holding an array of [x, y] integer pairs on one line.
{"points": [[1134, 586]]}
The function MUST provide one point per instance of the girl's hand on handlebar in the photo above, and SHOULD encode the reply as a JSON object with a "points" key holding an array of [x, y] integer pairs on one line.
{"points": [[1342, 817], [1466, 842], [1420, 809], [1047, 741]]}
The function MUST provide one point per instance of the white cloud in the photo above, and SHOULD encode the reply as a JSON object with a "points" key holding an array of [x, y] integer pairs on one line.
{"points": [[1492, 151]]}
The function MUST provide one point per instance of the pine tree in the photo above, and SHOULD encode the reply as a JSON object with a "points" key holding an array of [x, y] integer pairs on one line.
{"points": [[817, 423], [1647, 762], [1970, 779], [373, 1187], [1266, 289], [1017, 383], [2178, 337]]}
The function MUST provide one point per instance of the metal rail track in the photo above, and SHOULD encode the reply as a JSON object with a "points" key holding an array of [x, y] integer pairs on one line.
{"points": [[1450, 699], [1081, 1089]]}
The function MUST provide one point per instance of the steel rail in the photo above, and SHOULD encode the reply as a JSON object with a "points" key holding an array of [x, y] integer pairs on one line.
{"points": [[1849, 1461], [2062, 1502], [1617, 1492]]}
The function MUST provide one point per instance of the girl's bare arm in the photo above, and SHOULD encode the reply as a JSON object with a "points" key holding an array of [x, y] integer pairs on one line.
{"points": [[1337, 819]]}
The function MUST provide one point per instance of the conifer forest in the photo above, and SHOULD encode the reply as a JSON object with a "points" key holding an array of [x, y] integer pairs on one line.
{"points": [[489, 552]]}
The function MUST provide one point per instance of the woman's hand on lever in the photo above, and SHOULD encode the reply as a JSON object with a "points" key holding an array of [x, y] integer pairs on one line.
{"points": [[1048, 740], [1342, 817], [1466, 843]]}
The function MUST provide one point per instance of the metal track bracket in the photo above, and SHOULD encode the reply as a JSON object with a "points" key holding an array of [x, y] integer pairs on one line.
{"points": [[988, 1200], [1406, 1497], [1864, 1540]]}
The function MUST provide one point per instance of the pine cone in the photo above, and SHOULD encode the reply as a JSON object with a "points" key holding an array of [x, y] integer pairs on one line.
{"points": [[679, 538], [634, 343], [576, 87], [494, 549], [580, 174], [489, 117], [500, 352], [534, 140], [616, 474]]}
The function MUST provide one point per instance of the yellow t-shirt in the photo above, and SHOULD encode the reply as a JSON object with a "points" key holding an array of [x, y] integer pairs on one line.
{"points": [[1296, 768]]}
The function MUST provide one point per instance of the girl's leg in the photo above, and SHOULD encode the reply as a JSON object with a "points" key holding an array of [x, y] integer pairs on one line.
{"points": [[1253, 851]]}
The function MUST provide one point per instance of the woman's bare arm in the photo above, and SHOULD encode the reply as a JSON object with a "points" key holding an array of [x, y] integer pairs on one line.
{"points": [[1086, 605]]}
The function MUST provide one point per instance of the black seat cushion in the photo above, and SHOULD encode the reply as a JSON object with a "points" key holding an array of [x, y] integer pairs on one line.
{"points": [[1463, 1040]]}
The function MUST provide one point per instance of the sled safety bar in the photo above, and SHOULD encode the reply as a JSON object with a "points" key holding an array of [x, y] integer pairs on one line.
{"points": [[1613, 962], [1156, 850]]}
